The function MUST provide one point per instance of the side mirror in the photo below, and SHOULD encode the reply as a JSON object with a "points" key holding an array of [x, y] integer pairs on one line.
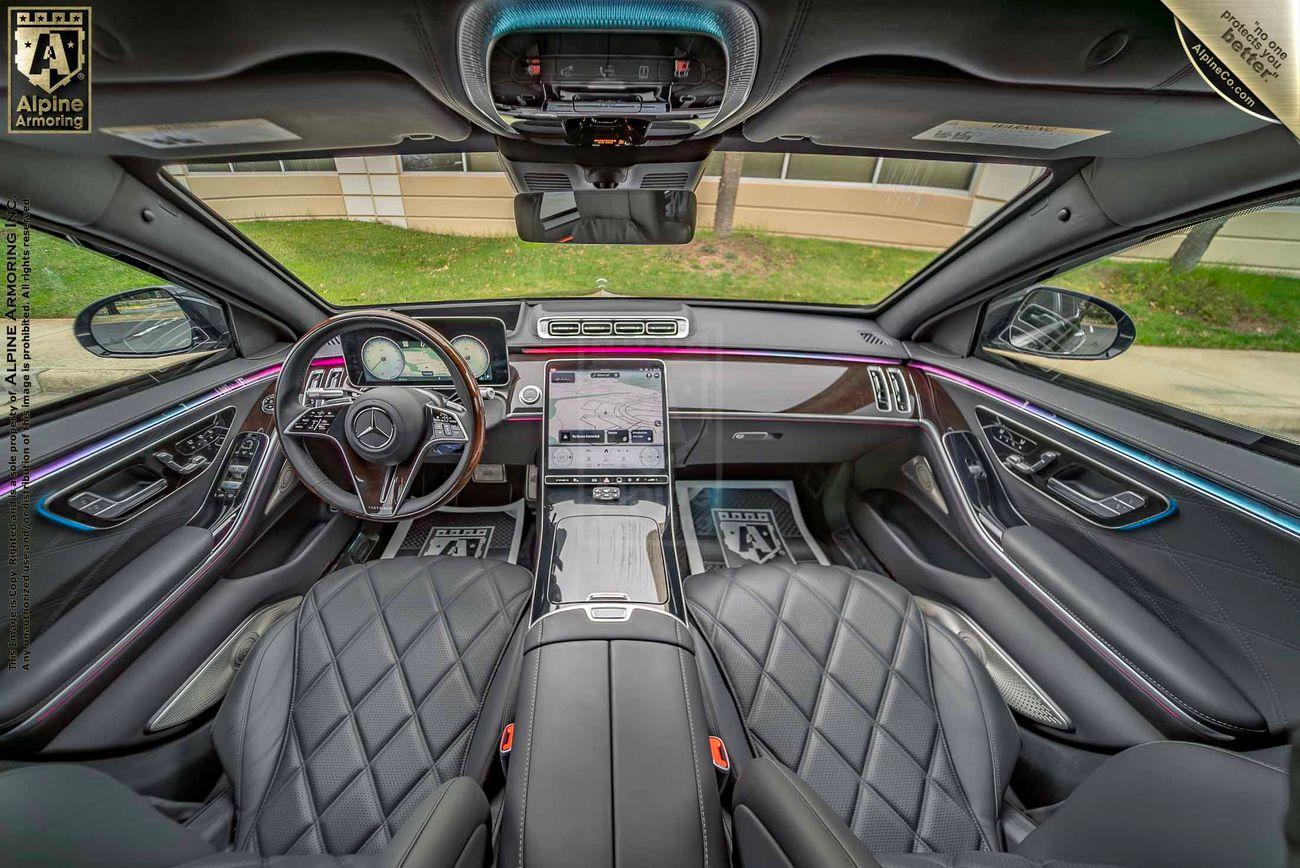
{"points": [[1058, 324], [152, 322]]}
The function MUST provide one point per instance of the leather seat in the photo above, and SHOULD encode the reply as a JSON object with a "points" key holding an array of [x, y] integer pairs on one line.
{"points": [[362, 724], [866, 735]]}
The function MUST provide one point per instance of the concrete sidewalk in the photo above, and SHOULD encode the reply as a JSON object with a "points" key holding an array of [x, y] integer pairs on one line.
{"points": [[1254, 388], [62, 367]]}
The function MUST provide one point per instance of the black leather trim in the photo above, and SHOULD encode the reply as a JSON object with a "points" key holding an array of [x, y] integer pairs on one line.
{"points": [[982, 735], [72, 642], [66, 816], [1133, 633], [611, 761], [1171, 805], [774, 809], [644, 625]]}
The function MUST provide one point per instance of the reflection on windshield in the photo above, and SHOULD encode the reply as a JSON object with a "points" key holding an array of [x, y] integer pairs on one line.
{"points": [[808, 228]]}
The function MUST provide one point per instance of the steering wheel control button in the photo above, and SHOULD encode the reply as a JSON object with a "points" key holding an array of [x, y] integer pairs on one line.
{"points": [[530, 395], [314, 421]]}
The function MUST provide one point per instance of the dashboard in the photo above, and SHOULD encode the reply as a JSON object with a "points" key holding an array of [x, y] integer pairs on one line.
{"points": [[377, 356]]}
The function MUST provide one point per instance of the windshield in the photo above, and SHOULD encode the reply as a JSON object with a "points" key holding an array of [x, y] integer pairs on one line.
{"points": [[807, 228]]}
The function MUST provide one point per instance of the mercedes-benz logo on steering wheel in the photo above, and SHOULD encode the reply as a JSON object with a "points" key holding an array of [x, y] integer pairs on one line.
{"points": [[373, 428]]}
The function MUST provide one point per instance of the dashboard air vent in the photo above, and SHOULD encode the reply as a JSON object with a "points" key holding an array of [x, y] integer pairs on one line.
{"points": [[890, 390], [664, 180], [539, 181], [554, 327], [872, 338]]}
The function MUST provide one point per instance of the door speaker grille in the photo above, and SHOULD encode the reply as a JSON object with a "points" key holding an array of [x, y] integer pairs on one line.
{"points": [[1018, 690], [209, 683]]}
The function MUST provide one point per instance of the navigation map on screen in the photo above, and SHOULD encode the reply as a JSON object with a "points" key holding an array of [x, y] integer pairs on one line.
{"points": [[605, 419]]}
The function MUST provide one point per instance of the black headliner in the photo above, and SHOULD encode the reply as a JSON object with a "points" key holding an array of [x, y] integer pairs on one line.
{"points": [[350, 77]]}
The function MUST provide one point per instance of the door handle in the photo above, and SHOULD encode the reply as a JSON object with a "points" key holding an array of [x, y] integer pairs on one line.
{"points": [[1021, 465], [166, 459], [1110, 506], [106, 507]]}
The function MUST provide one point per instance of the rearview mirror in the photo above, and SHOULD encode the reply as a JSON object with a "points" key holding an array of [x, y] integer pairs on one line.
{"points": [[1059, 323], [152, 322], [606, 216]]}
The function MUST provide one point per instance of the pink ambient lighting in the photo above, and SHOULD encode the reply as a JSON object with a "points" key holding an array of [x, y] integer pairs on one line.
{"points": [[603, 350]]}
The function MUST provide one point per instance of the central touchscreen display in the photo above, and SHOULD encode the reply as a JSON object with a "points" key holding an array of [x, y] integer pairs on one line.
{"points": [[605, 416]]}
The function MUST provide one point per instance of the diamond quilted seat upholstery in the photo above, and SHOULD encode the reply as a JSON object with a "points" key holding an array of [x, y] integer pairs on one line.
{"points": [[393, 659], [831, 673]]}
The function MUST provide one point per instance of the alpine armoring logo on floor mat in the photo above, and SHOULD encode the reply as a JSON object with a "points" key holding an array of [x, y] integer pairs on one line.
{"points": [[750, 535], [461, 542]]}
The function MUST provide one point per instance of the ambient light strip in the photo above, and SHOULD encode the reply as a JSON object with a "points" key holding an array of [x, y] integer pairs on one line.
{"points": [[62, 463], [1211, 489], [607, 350]]}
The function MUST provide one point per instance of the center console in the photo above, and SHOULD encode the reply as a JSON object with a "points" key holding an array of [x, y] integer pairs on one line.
{"points": [[606, 508], [609, 758]]}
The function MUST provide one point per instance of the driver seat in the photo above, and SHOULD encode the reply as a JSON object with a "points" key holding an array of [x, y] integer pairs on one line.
{"points": [[360, 726]]}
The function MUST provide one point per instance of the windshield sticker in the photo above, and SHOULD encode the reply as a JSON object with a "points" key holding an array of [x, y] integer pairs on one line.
{"points": [[1242, 52], [208, 133], [1007, 135]]}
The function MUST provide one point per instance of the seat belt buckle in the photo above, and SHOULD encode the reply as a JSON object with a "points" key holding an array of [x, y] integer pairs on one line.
{"points": [[507, 739], [718, 752]]}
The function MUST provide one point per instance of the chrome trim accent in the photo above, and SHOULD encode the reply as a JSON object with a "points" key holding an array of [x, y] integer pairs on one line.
{"points": [[682, 326], [957, 621], [630, 607], [164, 718]]}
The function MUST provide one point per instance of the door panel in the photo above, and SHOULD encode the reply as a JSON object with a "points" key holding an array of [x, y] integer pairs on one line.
{"points": [[1191, 608], [105, 583], [942, 548]]}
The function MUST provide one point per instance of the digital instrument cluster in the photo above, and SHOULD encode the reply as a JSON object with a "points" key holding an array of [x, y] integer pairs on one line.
{"points": [[378, 357]]}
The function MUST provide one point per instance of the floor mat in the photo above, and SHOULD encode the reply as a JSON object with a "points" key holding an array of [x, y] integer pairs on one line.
{"points": [[471, 531], [728, 523]]}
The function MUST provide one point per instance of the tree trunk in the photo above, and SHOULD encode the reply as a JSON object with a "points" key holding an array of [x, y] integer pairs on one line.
{"points": [[725, 211], [1194, 245]]}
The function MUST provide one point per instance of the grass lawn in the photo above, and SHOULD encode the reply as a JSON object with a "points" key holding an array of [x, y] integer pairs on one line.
{"points": [[1211, 306], [351, 263], [364, 263]]}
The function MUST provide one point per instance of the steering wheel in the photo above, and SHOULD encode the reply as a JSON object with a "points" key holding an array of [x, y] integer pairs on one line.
{"points": [[383, 433]]}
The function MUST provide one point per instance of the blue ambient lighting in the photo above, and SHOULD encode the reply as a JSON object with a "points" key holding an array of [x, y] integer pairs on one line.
{"points": [[605, 15]]}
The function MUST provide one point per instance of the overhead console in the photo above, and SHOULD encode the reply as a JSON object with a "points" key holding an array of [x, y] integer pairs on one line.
{"points": [[608, 89], [593, 74]]}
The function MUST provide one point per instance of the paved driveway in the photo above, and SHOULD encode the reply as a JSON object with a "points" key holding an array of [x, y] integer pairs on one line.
{"points": [[1255, 388], [63, 367]]}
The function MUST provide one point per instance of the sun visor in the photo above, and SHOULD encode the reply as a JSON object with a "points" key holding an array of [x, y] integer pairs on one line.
{"points": [[259, 113], [975, 118]]}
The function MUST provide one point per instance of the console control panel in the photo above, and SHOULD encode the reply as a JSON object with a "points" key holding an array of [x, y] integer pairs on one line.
{"points": [[240, 463]]}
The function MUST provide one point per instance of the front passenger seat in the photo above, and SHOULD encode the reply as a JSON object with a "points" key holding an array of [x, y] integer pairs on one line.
{"points": [[353, 728], [880, 740]]}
